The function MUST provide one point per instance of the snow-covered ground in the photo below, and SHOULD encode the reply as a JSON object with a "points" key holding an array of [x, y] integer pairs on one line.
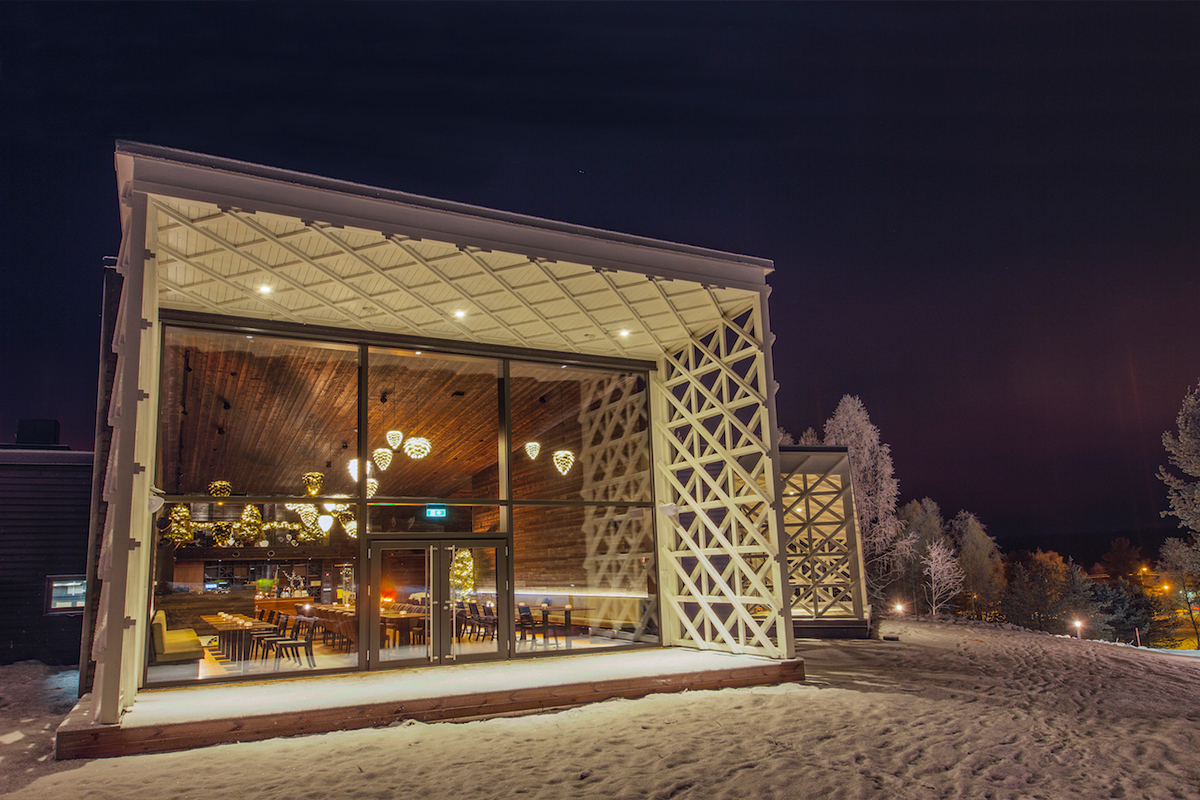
{"points": [[947, 711]]}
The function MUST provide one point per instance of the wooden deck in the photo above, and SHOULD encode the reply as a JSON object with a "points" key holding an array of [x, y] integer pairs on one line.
{"points": [[185, 718]]}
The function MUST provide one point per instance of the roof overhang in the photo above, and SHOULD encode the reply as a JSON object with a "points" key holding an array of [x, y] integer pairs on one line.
{"points": [[346, 255]]}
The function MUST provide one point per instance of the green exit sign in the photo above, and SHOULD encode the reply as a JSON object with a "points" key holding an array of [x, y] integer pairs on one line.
{"points": [[435, 512]]}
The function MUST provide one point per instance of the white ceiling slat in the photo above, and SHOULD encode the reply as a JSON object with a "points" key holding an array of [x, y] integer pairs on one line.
{"points": [[214, 259], [437, 272], [265, 268], [253, 225], [225, 281], [407, 290]]}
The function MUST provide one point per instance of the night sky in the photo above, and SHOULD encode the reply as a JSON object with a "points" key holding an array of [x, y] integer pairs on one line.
{"points": [[985, 219]]}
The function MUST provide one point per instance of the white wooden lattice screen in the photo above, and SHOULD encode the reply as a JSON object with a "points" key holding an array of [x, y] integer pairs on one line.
{"points": [[723, 586]]}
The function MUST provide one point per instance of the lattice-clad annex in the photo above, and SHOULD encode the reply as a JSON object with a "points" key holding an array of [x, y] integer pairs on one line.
{"points": [[615, 459], [823, 555], [725, 586]]}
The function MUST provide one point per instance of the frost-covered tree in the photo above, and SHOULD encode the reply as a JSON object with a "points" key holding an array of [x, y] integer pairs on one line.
{"points": [[1183, 451], [982, 565], [1180, 561], [943, 576], [875, 489], [785, 438], [922, 525], [810, 437]]}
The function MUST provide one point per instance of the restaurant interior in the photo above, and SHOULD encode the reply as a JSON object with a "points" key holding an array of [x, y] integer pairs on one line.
{"points": [[331, 504]]}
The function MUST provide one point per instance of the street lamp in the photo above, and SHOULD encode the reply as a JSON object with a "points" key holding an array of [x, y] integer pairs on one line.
{"points": [[899, 608], [1078, 629]]}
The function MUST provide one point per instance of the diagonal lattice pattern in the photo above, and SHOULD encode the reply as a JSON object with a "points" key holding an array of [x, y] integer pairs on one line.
{"points": [[240, 263], [824, 561], [615, 459], [722, 580]]}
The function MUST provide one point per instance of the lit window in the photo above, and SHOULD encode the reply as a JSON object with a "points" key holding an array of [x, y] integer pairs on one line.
{"points": [[66, 594]]}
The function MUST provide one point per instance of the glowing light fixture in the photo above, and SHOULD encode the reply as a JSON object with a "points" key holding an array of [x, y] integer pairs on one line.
{"points": [[220, 489], [372, 487], [382, 457], [264, 289], [563, 460], [325, 522], [460, 313], [313, 482], [417, 447], [624, 333], [394, 438], [351, 529], [532, 449], [308, 514]]}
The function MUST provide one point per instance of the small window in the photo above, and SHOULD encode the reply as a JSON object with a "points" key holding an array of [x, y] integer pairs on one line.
{"points": [[66, 594]]}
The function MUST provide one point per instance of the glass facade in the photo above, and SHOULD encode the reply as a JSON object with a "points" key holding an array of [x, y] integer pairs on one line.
{"points": [[506, 508]]}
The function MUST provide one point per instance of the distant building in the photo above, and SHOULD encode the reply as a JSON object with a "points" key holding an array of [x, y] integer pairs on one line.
{"points": [[45, 495]]}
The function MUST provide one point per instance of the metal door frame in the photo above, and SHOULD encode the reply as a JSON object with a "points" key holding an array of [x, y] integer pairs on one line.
{"points": [[439, 552]]}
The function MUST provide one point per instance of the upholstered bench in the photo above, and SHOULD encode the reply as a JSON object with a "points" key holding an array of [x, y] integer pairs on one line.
{"points": [[175, 647]]}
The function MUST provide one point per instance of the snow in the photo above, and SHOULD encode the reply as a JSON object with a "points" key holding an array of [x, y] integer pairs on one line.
{"points": [[946, 711]]}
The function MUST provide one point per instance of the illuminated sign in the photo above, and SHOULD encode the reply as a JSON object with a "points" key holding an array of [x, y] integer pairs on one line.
{"points": [[435, 512]]}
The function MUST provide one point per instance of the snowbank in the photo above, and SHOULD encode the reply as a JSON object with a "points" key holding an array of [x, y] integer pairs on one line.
{"points": [[947, 711]]}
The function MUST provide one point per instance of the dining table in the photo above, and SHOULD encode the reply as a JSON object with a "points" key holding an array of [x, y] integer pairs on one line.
{"points": [[234, 636]]}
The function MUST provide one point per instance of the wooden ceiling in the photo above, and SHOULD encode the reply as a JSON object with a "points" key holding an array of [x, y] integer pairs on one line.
{"points": [[261, 412]]}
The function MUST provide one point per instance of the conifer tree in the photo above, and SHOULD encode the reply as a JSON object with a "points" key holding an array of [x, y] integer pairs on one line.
{"points": [[982, 565], [1183, 450]]}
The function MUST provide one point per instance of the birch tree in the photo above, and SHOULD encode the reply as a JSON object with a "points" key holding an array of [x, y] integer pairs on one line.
{"points": [[944, 577], [875, 489], [1183, 451]]}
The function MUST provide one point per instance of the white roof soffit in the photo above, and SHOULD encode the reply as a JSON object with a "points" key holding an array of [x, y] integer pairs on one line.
{"points": [[350, 256]]}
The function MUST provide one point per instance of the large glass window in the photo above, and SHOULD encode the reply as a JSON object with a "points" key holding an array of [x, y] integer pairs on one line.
{"points": [[245, 590], [256, 412], [257, 589], [579, 434], [434, 423], [589, 571]]}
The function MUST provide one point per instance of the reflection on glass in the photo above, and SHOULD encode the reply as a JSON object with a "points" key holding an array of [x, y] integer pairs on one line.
{"points": [[579, 434], [473, 589], [258, 413], [585, 577], [248, 589], [434, 423], [405, 596]]}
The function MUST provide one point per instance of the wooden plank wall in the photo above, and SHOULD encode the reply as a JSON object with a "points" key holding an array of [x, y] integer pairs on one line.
{"points": [[44, 510]]}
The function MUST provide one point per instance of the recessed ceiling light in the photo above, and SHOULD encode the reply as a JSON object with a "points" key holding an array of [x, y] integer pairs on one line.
{"points": [[460, 313], [624, 333], [416, 352], [265, 289]]}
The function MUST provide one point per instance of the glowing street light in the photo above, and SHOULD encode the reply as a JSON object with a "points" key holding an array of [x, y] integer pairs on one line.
{"points": [[1078, 629], [899, 608]]}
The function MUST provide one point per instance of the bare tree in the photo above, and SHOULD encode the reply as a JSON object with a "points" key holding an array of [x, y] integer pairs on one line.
{"points": [[1184, 453], [944, 575], [875, 489]]}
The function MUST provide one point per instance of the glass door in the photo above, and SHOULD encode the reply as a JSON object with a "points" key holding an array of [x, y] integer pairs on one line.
{"points": [[439, 602]]}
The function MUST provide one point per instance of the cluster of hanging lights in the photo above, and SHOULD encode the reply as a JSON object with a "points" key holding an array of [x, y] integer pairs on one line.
{"points": [[563, 459]]}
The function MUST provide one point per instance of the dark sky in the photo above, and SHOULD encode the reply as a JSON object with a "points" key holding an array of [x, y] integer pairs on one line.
{"points": [[985, 218]]}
